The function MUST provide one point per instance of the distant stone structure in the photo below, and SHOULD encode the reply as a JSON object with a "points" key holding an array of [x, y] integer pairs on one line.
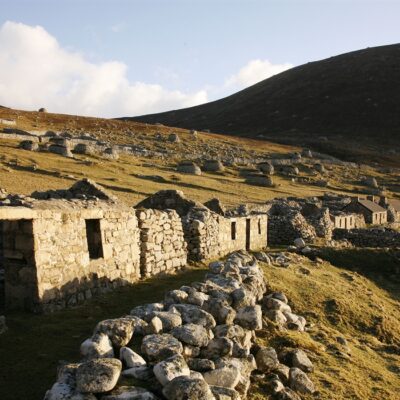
{"points": [[393, 208], [173, 138], [373, 213], [259, 180], [266, 167], [344, 221]]}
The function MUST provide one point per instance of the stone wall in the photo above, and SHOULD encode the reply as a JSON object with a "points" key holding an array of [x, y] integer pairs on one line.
{"points": [[284, 229], [210, 235], [163, 247], [369, 237], [58, 259], [20, 278]]}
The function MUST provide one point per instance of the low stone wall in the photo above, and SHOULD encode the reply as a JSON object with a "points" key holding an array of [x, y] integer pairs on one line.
{"points": [[198, 343], [163, 248], [16, 136], [369, 237]]}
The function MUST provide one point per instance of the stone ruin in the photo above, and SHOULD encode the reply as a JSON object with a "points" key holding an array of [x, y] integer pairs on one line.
{"points": [[58, 253], [209, 234], [162, 240], [293, 218], [60, 248], [199, 342]]}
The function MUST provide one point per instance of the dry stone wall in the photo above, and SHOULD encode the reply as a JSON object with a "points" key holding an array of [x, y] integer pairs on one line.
{"points": [[55, 258], [285, 229], [66, 271], [163, 247], [18, 257], [83, 241], [369, 237], [210, 235]]}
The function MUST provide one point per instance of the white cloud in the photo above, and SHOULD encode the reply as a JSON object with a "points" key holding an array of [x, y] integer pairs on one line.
{"points": [[35, 71], [255, 71]]}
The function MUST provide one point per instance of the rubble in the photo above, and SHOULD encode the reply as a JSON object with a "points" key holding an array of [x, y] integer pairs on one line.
{"points": [[205, 355]]}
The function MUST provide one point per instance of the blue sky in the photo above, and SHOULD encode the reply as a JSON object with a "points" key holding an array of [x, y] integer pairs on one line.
{"points": [[171, 53]]}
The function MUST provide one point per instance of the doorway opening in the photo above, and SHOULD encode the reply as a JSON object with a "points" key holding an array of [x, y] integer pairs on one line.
{"points": [[248, 222], [93, 237]]}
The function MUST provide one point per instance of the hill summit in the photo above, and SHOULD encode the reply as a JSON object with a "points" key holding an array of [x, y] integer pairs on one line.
{"points": [[350, 95]]}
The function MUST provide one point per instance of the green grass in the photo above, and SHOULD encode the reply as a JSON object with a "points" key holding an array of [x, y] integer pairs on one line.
{"points": [[33, 345]]}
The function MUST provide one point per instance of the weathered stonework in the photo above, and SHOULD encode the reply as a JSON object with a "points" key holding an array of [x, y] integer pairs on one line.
{"points": [[210, 235], [47, 260], [369, 237], [163, 247], [59, 248]]}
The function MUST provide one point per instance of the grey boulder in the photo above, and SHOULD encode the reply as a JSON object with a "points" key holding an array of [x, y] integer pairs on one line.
{"points": [[186, 388], [267, 359], [160, 347], [98, 376], [130, 393], [300, 382], [191, 334], [165, 371], [249, 317], [119, 330]]}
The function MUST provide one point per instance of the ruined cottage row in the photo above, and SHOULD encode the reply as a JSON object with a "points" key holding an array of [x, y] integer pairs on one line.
{"points": [[61, 252]]}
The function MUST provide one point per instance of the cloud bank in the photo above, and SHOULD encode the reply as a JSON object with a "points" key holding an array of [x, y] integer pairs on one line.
{"points": [[35, 71]]}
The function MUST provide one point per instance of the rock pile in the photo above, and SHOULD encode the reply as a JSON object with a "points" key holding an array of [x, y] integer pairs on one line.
{"points": [[111, 153], [188, 167], [259, 180], [29, 145], [173, 138], [198, 343], [213, 166]]}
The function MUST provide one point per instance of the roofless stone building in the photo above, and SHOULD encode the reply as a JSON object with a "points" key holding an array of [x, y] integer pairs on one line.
{"points": [[60, 248], [60, 252]]}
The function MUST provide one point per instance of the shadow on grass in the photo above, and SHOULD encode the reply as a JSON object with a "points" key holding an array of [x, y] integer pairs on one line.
{"points": [[379, 265], [33, 345]]}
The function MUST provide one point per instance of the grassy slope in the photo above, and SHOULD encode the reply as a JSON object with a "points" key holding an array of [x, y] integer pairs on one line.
{"points": [[342, 303], [336, 302], [129, 177]]}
